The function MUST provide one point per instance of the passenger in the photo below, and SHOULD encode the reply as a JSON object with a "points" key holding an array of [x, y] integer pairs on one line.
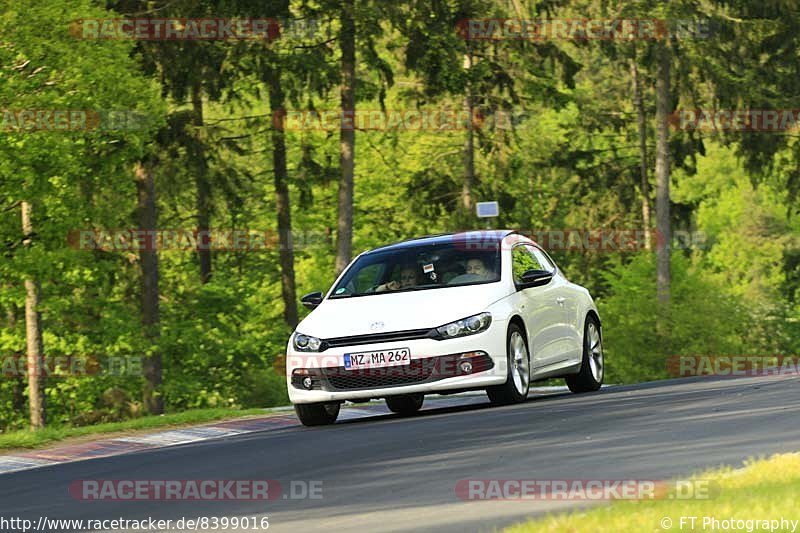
{"points": [[478, 268]]}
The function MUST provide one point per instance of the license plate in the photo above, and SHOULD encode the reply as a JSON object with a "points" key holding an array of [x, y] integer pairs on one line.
{"points": [[377, 359]]}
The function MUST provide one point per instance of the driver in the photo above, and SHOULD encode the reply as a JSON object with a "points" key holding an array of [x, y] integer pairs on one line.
{"points": [[408, 279]]}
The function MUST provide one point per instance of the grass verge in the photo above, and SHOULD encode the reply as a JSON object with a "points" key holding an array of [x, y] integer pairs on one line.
{"points": [[764, 489], [37, 439]]}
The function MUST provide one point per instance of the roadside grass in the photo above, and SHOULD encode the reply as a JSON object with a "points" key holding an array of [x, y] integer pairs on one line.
{"points": [[36, 439], [765, 489]]}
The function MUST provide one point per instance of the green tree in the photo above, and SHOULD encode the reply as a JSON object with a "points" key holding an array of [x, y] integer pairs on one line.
{"points": [[55, 174]]}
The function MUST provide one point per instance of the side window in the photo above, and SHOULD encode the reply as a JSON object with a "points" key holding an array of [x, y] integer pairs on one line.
{"points": [[543, 259], [522, 260]]}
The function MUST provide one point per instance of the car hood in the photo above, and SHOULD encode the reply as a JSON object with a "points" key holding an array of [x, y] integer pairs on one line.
{"points": [[399, 311]]}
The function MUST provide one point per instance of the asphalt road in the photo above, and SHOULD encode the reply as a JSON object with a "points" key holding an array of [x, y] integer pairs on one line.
{"points": [[386, 473]]}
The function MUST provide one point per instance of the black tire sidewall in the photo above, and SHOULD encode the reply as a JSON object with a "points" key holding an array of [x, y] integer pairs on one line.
{"points": [[584, 381], [587, 349], [405, 404], [317, 414], [510, 361]]}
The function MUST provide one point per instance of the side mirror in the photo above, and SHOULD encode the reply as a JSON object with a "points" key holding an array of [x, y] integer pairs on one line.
{"points": [[311, 300], [535, 278]]}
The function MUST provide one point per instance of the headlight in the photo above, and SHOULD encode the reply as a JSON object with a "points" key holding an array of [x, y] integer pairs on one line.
{"points": [[306, 343], [466, 326]]}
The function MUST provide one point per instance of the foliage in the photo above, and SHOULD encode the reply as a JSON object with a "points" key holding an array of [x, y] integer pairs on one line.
{"points": [[702, 320], [568, 159]]}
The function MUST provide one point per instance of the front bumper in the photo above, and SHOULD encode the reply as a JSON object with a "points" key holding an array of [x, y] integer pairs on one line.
{"points": [[434, 368]]}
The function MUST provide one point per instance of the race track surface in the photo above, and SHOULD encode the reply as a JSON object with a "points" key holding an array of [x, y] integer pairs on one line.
{"points": [[386, 473]]}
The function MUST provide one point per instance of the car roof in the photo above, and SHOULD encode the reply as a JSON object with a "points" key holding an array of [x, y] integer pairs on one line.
{"points": [[478, 236]]}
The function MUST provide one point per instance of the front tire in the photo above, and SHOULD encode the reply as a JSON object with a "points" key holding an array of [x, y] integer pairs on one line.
{"points": [[517, 384], [406, 404], [590, 376], [317, 414]]}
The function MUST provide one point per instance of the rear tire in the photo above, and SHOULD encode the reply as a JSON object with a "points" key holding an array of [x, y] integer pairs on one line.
{"points": [[317, 414], [517, 384], [590, 377], [406, 404]]}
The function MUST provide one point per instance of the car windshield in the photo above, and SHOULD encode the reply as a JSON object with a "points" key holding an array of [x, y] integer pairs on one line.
{"points": [[420, 267]]}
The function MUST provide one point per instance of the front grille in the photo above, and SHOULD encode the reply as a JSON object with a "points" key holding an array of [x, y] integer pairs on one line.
{"points": [[370, 378], [419, 371], [370, 338]]}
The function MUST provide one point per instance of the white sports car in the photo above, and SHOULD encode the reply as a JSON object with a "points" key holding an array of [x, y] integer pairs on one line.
{"points": [[443, 314]]}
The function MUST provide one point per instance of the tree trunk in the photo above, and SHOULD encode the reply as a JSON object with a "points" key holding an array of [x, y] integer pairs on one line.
{"points": [[663, 104], [283, 206], [468, 150], [148, 258], [18, 390], [644, 189], [33, 335], [347, 136], [203, 198]]}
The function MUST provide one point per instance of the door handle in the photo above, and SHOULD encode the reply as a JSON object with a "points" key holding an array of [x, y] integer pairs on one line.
{"points": [[560, 300]]}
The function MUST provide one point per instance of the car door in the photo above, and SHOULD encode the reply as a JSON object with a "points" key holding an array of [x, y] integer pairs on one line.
{"points": [[570, 340], [539, 309]]}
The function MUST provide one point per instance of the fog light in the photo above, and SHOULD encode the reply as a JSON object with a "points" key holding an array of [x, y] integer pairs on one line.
{"points": [[308, 383], [466, 367]]}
